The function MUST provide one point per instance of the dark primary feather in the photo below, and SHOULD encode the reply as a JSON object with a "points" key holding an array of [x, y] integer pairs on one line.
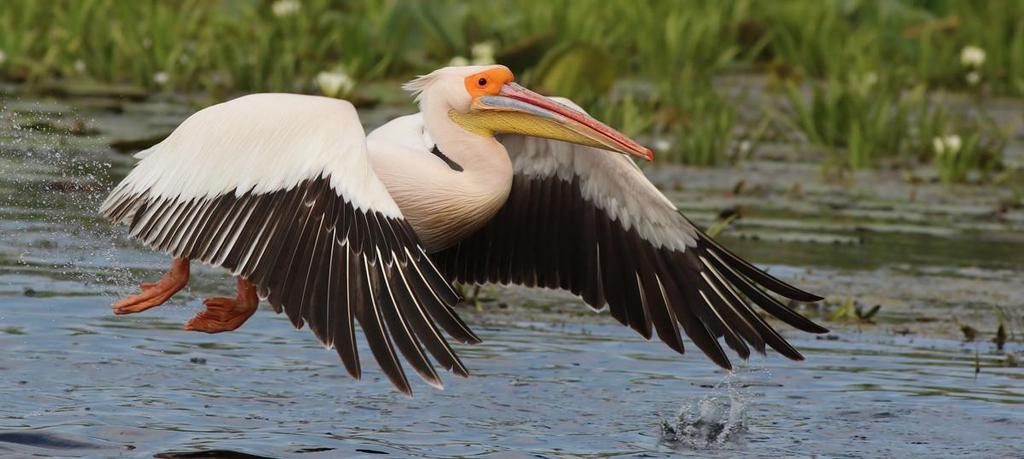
{"points": [[321, 261], [550, 234]]}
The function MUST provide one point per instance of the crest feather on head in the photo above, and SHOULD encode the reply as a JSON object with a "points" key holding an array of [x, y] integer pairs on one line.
{"points": [[419, 84]]}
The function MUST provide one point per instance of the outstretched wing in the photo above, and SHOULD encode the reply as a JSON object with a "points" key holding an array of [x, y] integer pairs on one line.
{"points": [[588, 221], [278, 189]]}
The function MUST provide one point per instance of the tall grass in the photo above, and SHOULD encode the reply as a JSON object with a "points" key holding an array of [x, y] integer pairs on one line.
{"points": [[246, 47], [861, 119], [700, 123], [583, 49], [862, 116]]}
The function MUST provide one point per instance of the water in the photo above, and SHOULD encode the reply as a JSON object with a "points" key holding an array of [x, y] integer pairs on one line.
{"points": [[77, 381]]}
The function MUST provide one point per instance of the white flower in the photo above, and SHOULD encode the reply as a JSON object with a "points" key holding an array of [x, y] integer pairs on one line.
{"points": [[972, 56], [865, 82], [458, 61], [662, 144], [79, 66], [973, 78], [939, 146], [744, 147], [282, 8], [335, 83], [161, 78], [483, 53], [3, 57], [948, 145], [953, 143]]}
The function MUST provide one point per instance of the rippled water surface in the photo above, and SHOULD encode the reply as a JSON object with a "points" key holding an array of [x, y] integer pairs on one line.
{"points": [[77, 381]]}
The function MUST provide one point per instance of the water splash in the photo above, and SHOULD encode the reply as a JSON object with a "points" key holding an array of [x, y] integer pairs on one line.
{"points": [[53, 180], [717, 419]]}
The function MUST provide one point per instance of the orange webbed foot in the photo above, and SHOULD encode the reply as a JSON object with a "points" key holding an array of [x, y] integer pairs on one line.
{"points": [[226, 314], [156, 293]]}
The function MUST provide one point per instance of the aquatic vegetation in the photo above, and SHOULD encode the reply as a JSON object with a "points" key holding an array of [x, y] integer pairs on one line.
{"points": [[978, 150], [1000, 338], [823, 39], [970, 333], [721, 224], [1008, 328], [863, 116], [701, 123], [852, 311], [863, 119], [954, 157], [857, 57]]}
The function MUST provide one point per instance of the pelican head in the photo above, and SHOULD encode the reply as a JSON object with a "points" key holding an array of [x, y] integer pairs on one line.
{"points": [[485, 100]]}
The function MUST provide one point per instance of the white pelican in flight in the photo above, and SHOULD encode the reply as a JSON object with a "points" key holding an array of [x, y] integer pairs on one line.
{"points": [[489, 182]]}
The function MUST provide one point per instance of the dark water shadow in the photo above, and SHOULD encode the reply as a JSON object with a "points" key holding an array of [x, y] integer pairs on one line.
{"points": [[209, 454], [45, 440]]}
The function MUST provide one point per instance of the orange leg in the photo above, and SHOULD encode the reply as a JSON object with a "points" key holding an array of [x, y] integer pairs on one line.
{"points": [[156, 293], [226, 314]]}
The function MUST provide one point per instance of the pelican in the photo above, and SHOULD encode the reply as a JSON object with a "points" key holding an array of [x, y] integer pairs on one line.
{"points": [[489, 183]]}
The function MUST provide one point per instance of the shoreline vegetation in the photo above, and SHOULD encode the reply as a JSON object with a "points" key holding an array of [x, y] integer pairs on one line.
{"points": [[863, 82]]}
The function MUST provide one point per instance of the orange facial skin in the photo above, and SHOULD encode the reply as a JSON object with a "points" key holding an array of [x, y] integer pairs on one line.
{"points": [[488, 83]]}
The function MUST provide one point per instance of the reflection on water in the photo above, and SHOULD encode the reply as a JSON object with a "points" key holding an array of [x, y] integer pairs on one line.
{"points": [[77, 381]]}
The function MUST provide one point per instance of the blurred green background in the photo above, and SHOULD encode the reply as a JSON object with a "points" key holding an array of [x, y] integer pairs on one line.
{"points": [[866, 82]]}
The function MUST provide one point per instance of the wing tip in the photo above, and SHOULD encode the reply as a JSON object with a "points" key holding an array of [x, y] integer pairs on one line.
{"points": [[757, 275], [805, 296], [350, 362], [816, 328], [460, 370], [724, 363], [436, 383], [471, 338]]}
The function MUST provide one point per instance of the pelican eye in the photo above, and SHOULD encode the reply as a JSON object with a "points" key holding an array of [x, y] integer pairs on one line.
{"points": [[482, 82]]}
